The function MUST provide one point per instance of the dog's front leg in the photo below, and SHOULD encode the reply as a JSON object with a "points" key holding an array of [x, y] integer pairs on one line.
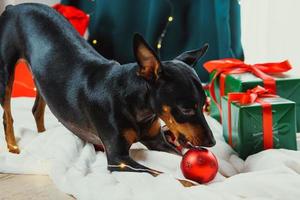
{"points": [[125, 163], [117, 144]]}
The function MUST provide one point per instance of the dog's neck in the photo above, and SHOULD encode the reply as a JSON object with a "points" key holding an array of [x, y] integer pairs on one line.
{"points": [[138, 92]]}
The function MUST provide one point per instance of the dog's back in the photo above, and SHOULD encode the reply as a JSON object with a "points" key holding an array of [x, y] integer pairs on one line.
{"points": [[35, 32], [60, 60]]}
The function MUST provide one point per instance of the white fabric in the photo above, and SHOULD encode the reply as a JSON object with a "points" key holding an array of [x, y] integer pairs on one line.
{"points": [[270, 31], [77, 169]]}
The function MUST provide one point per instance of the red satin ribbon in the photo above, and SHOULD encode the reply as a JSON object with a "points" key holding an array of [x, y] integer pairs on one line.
{"points": [[227, 66], [251, 96]]}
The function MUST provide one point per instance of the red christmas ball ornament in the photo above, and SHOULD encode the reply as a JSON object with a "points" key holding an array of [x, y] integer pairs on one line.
{"points": [[199, 165]]}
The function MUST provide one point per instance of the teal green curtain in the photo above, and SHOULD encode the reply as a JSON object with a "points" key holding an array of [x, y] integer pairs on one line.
{"points": [[194, 23]]}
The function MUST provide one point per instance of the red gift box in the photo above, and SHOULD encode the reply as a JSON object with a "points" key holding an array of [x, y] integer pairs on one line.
{"points": [[221, 68]]}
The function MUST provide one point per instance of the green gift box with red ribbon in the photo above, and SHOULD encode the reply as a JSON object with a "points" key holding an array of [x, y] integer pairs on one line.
{"points": [[233, 75], [257, 120]]}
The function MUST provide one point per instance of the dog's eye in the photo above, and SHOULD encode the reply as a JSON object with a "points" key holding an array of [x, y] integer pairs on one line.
{"points": [[187, 111]]}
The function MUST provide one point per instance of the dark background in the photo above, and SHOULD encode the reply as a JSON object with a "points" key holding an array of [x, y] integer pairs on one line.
{"points": [[195, 22]]}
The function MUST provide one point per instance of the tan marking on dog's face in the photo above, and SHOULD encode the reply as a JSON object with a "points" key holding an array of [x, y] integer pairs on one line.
{"points": [[154, 128], [130, 136], [193, 133]]}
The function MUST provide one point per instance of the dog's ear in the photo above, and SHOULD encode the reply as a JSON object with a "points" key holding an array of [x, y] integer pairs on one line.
{"points": [[149, 64], [191, 57]]}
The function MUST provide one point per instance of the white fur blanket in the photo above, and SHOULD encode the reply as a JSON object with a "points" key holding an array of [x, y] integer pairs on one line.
{"points": [[77, 169]]}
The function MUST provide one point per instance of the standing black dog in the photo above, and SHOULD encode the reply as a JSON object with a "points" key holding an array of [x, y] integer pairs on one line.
{"points": [[99, 100]]}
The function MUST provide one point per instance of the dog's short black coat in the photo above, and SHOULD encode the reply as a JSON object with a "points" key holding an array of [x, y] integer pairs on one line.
{"points": [[99, 100]]}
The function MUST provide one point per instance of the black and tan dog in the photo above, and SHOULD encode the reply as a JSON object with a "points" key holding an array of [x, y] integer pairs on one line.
{"points": [[99, 100]]}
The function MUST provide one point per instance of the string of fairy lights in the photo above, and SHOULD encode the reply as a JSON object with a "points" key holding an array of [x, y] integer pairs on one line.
{"points": [[124, 166], [159, 42], [163, 34]]}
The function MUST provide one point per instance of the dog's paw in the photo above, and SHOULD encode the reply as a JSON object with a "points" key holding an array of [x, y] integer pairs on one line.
{"points": [[14, 149], [186, 183]]}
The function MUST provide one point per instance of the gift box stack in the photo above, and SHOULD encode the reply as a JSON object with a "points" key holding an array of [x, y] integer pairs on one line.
{"points": [[258, 105]]}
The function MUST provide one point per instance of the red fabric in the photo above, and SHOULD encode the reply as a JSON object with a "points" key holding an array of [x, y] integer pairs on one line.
{"points": [[76, 17], [235, 66], [251, 96], [23, 84]]}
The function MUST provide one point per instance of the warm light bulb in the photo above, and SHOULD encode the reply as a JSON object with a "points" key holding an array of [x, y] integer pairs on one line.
{"points": [[122, 165], [94, 41], [158, 45], [170, 19], [15, 147]]}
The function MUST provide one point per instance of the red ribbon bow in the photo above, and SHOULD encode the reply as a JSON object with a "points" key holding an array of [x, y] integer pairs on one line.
{"points": [[235, 66], [249, 97]]}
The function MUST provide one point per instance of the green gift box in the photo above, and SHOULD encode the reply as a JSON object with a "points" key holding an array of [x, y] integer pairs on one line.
{"points": [[287, 86], [247, 125]]}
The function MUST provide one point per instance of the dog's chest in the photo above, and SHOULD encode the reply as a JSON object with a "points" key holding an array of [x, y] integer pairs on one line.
{"points": [[85, 133]]}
